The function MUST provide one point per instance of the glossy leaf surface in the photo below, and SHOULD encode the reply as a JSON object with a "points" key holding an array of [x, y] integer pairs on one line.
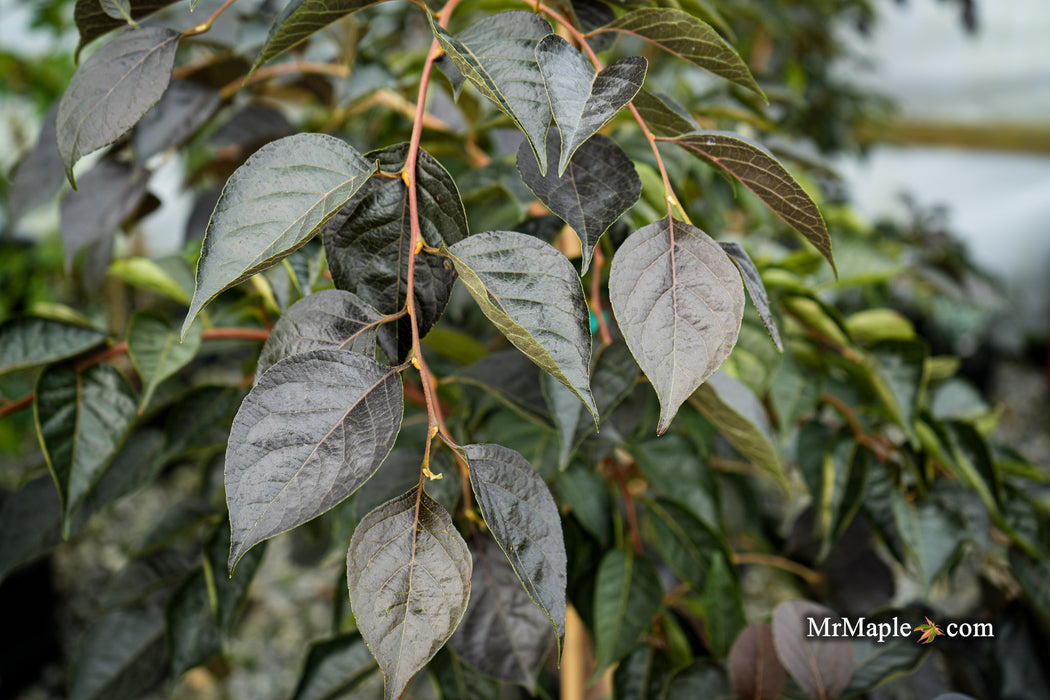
{"points": [[531, 293], [598, 186], [521, 513], [679, 302], [301, 18], [30, 341], [315, 427], [582, 100], [112, 90], [408, 571], [271, 206]]}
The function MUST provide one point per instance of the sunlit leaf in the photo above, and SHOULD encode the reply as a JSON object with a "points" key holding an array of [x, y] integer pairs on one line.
{"points": [[315, 427], [271, 206], [408, 572], [679, 302]]}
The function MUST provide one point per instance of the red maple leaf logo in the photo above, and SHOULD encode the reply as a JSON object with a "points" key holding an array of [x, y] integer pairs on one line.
{"points": [[929, 631]]}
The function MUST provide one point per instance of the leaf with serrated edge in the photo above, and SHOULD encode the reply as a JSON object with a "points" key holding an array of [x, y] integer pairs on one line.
{"points": [[93, 22], [532, 293], [627, 596], [30, 341], [153, 343], [740, 417], [521, 513], [81, 420], [766, 177], [408, 573], [302, 18], [271, 206], [598, 187], [367, 244], [330, 318], [755, 288], [315, 427], [687, 37], [498, 55], [503, 634], [112, 90], [582, 100], [679, 301]]}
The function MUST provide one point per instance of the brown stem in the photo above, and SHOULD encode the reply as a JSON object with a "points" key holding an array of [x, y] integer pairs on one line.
{"points": [[630, 511], [878, 446], [206, 24], [256, 334], [266, 72], [813, 577]]}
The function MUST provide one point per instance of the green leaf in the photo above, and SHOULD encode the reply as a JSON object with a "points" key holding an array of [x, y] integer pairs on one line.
{"points": [[701, 679], [315, 427], [522, 516], [685, 542], [271, 206], [408, 572], [184, 108], [768, 179], [229, 593], [754, 669], [822, 667], [458, 681], [334, 668], [118, 9], [109, 194], [627, 596], [136, 464], [723, 606], [400, 472], [598, 187], [513, 379], [368, 244], [330, 318], [144, 576], [930, 533], [154, 346], [587, 496], [878, 662], [533, 295], [112, 90], [81, 420], [498, 55], [974, 461], [582, 100], [898, 376], [679, 301], [302, 18], [663, 116], [755, 289], [185, 516], [121, 657], [151, 275], [93, 22], [687, 37], [191, 632], [30, 523], [740, 417], [643, 675], [503, 634], [30, 341]]}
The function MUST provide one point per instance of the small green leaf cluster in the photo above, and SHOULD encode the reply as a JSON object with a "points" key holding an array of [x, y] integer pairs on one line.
{"points": [[493, 357]]}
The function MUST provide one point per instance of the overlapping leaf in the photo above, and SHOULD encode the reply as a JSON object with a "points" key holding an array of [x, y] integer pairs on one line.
{"points": [[315, 427], [81, 419], [531, 293], [272, 205], [184, 108], [300, 19], [598, 186], [690, 38], [755, 289], [582, 100], [92, 21], [109, 193], [627, 596], [503, 634], [679, 301], [153, 343], [112, 90], [30, 341], [663, 116], [121, 656], [754, 669], [521, 513], [39, 174], [368, 244], [330, 318], [334, 667], [766, 177], [822, 667], [408, 572], [118, 9], [498, 55]]}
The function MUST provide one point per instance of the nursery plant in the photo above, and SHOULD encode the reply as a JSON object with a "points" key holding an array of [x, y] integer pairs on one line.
{"points": [[510, 307]]}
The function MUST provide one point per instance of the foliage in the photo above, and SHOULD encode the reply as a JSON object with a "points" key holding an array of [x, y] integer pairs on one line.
{"points": [[594, 419]]}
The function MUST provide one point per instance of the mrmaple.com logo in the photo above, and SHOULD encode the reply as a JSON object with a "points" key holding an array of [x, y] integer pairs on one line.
{"points": [[881, 631]]}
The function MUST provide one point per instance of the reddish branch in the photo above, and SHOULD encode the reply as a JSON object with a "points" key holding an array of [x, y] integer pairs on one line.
{"points": [[879, 446], [120, 349]]}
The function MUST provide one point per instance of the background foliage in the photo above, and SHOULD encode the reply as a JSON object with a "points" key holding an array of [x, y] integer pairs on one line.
{"points": [[856, 469]]}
